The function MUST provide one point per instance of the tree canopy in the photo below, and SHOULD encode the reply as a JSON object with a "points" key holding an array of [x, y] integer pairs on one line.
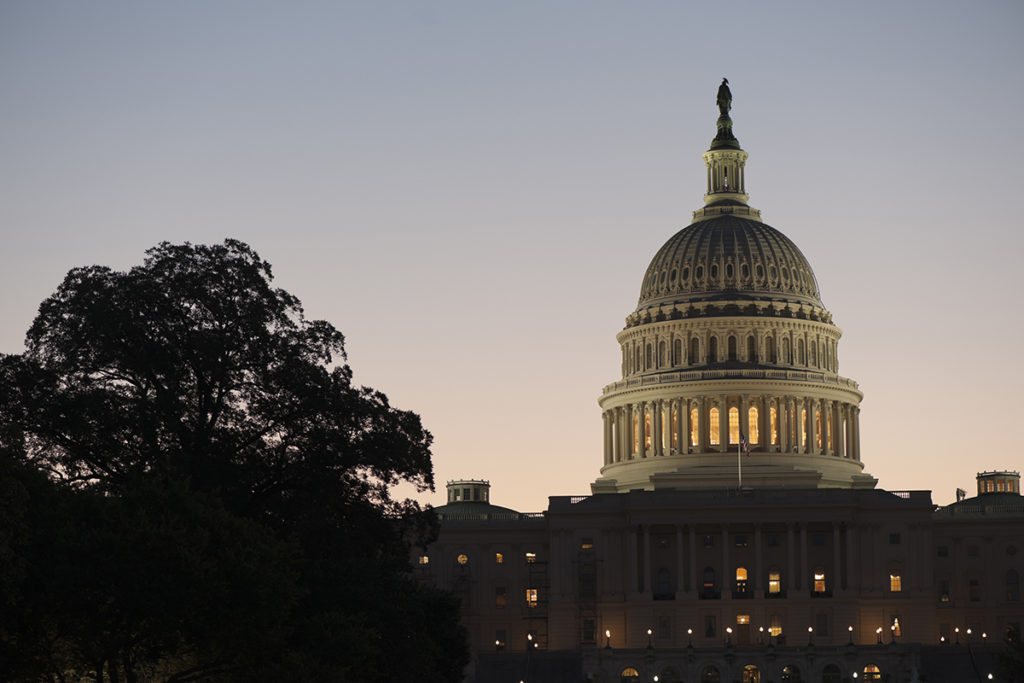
{"points": [[195, 490]]}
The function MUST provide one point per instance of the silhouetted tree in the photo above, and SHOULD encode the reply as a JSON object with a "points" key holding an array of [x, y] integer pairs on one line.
{"points": [[217, 501]]}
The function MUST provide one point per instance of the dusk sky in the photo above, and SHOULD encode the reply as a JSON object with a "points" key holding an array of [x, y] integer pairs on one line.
{"points": [[471, 192]]}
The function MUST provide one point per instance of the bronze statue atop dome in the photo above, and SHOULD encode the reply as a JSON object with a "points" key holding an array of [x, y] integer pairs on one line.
{"points": [[724, 98]]}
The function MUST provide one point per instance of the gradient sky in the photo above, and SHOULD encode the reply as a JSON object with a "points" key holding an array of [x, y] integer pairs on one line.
{"points": [[471, 192]]}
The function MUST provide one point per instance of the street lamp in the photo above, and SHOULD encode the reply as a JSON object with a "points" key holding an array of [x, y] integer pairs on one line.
{"points": [[649, 634], [956, 631], [728, 636], [689, 637], [878, 632], [608, 640], [850, 629], [893, 629], [760, 635]]}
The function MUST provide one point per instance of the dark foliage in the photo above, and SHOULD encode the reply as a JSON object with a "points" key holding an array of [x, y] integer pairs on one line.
{"points": [[190, 491]]}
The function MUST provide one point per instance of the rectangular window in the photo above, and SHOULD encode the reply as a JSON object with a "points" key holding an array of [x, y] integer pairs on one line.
{"points": [[819, 580], [894, 626], [531, 558], [944, 590], [713, 427], [895, 583], [774, 583], [709, 626], [531, 597], [818, 539], [974, 590], [664, 631], [894, 539], [775, 625], [772, 540], [734, 426], [821, 624], [742, 618], [589, 631], [694, 427], [741, 541], [587, 544], [498, 558], [424, 559], [942, 551], [972, 551], [709, 541], [499, 639], [499, 596]]}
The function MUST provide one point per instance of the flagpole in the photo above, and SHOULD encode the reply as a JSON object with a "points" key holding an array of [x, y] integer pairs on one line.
{"points": [[739, 465]]}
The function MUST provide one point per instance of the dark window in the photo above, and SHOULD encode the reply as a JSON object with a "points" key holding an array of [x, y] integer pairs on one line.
{"points": [[942, 551], [741, 541], [972, 551], [821, 624], [1012, 585], [817, 539], [894, 539], [772, 540], [589, 629], [709, 626], [709, 541], [974, 590], [732, 347], [499, 596]]}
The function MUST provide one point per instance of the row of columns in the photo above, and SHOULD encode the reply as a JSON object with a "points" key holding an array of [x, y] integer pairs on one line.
{"points": [[660, 427], [634, 354], [689, 582]]}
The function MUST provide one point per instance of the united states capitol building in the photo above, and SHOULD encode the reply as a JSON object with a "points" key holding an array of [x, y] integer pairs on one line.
{"points": [[733, 532]]}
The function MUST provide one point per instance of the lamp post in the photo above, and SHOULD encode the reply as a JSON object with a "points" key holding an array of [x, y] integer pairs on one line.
{"points": [[878, 632], [608, 639], [956, 632], [650, 632], [810, 635], [850, 629], [728, 636], [892, 638], [760, 635]]}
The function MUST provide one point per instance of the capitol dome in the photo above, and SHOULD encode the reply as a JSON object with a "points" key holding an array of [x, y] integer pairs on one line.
{"points": [[730, 259], [730, 368]]}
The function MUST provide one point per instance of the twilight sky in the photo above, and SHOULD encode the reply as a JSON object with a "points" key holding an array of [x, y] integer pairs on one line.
{"points": [[471, 192]]}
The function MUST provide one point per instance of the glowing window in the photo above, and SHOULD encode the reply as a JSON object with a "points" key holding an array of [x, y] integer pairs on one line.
{"points": [[636, 434], [498, 558], [774, 582], [742, 618], [775, 625], [831, 429], [803, 427], [630, 674], [819, 580], [734, 425], [752, 425], [647, 431], [741, 573], [773, 416], [713, 429], [817, 426], [587, 544], [674, 442], [462, 559], [424, 559], [694, 427], [531, 558], [895, 627], [531, 597], [872, 673], [895, 583]]}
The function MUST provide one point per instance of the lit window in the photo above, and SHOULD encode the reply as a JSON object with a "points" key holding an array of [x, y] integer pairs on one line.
{"points": [[636, 434], [531, 558], [895, 583], [819, 580], [741, 573], [587, 543], [775, 625], [752, 427], [531, 597], [817, 426], [647, 432], [424, 559], [872, 673], [774, 582], [831, 430], [713, 426], [734, 425], [742, 618], [895, 627], [630, 674], [803, 427], [499, 596], [694, 427], [462, 559], [675, 429], [498, 558], [773, 414]]}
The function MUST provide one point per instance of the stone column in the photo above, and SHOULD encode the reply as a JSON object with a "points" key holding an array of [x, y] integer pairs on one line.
{"points": [[645, 579], [836, 565], [606, 419], [804, 576], [683, 426], [856, 432], [658, 438], [812, 436], [840, 438], [641, 426], [704, 411], [728, 574], [680, 567], [723, 424]]}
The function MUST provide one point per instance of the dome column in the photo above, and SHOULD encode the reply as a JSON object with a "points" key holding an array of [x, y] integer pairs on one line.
{"points": [[658, 440], [723, 423]]}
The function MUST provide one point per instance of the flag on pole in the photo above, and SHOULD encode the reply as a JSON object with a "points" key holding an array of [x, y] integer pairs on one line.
{"points": [[744, 443]]}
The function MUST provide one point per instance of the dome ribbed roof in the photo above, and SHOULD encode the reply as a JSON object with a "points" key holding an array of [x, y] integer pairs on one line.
{"points": [[728, 258]]}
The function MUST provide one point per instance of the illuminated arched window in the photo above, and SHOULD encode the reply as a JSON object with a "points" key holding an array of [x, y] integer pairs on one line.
{"points": [[872, 673], [773, 414], [732, 347], [694, 427], [713, 427], [694, 351], [751, 674], [819, 580], [629, 675], [769, 350], [713, 350], [790, 673], [817, 426], [753, 425], [636, 433], [734, 425], [677, 352], [647, 431]]}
